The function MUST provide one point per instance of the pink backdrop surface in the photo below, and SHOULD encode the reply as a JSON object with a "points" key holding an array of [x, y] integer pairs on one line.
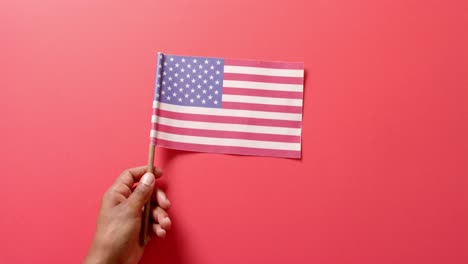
{"points": [[384, 173]]}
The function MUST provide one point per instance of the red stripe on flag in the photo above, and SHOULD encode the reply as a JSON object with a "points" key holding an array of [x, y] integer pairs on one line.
{"points": [[263, 78], [263, 107], [228, 150], [227, 119], [264, 93], [265, 64], [226, 134]]}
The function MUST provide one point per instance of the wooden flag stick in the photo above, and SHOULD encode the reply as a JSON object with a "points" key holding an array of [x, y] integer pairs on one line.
{"points": [[146, 212]]}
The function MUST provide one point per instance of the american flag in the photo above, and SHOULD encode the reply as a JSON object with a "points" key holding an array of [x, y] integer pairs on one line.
{"points": [[228, 106]]}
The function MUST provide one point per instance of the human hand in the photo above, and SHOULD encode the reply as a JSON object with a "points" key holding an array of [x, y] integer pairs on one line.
{"points": [[118, 226]]}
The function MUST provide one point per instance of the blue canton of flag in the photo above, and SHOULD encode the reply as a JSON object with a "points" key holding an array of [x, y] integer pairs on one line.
{"points": [[190, 81]]}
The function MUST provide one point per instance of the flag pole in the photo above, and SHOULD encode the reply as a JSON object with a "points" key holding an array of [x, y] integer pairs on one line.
{"points": [[145, 220], [146, 212]]}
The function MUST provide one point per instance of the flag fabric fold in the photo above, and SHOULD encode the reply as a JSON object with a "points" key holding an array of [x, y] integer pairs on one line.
{"points": [[228, 106]]}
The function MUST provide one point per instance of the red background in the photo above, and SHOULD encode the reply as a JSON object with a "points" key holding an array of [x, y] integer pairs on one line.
{"points": [[384, 173]]}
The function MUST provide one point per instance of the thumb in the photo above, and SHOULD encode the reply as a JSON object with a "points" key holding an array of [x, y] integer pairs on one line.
{"points": [[142, 192]]}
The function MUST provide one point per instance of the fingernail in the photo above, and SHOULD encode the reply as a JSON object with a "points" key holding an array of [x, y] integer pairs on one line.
{"points": [[161, 232], [157, 170], [161, 196], [166, 221], [147, 179]]}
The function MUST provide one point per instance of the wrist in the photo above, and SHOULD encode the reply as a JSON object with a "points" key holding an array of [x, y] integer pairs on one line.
{"points": [[97, 255]]}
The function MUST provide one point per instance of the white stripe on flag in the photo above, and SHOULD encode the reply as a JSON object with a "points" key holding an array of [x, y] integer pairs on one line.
{"points": [[263, 71], [226, 141], [263, 86], [226, 112], [226, 127], [261, 100]]}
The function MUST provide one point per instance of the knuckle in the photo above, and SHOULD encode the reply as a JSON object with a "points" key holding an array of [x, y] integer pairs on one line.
{"points": [[159, 213], [141, 190], [125, 172], [108, 194]]}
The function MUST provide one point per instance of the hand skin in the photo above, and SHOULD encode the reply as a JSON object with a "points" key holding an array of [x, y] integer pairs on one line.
{"points": [[118, 226]]}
